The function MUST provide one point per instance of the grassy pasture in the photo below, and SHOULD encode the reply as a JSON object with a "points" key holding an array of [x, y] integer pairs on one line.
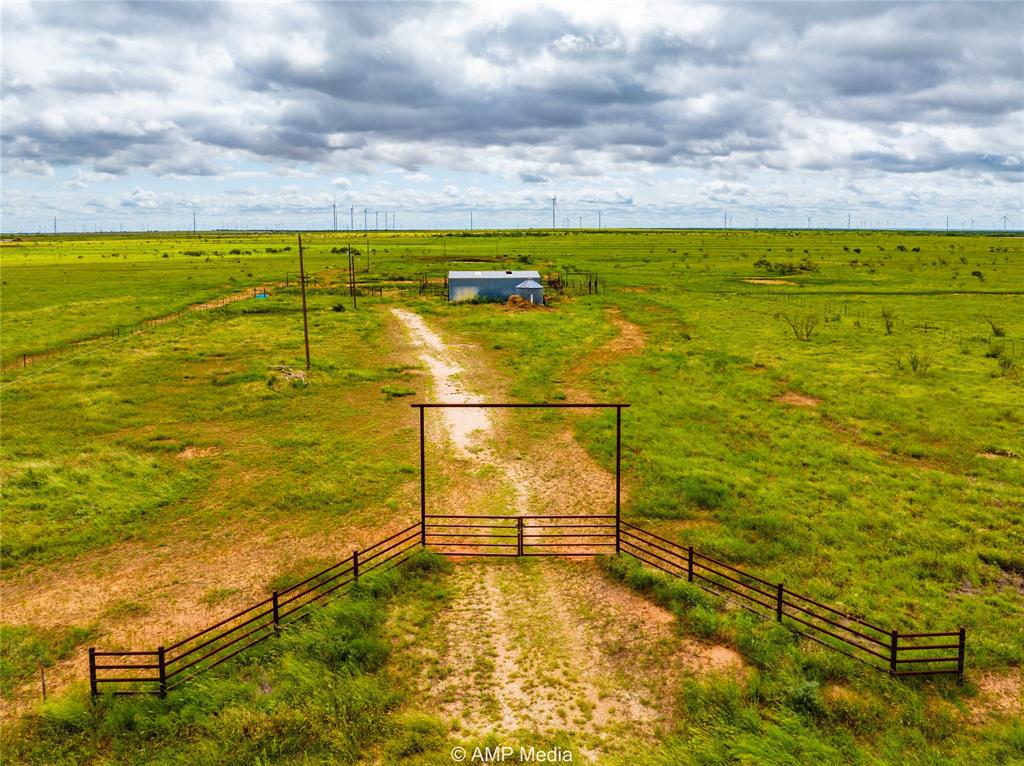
{"points": [[898, 493]]}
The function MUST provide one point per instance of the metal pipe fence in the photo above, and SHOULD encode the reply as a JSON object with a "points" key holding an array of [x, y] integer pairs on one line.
{"points": [[881, 648], [182, 661], [460, 535]]}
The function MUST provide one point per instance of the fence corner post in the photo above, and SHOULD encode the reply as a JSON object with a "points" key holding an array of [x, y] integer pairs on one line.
{"points": [[780, 589], [355, 565], [960, 655], [689, 563], [894, 640], [163, 671], [92, 672], [277, 612]]}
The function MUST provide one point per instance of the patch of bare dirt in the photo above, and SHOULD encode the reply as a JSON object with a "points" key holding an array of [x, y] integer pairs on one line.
{"points": [[630, 339], [760, 281], [998, 454], [195, 453], [999, 694], [797, 399]]}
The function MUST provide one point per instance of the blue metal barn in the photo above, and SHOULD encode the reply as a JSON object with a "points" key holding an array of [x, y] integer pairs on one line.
{"points": [[495, 286]]}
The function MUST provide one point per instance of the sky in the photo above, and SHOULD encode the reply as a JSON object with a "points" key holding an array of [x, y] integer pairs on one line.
{"points": [[152, 115]]}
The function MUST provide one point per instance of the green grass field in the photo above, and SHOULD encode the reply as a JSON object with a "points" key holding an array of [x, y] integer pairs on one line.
{"points": [[880, 468]]}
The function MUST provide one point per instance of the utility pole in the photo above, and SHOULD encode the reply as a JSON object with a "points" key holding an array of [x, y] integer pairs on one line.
{"points": [[553, 213], [365, 219], [352, 218], [305, 320]]}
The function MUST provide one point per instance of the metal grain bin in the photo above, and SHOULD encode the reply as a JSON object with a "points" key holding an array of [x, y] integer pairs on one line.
{"points": [[531, 290]]}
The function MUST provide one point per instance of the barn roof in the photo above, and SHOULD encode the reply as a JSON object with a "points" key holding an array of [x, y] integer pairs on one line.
{"points": [[493, 275], [529, 284]]}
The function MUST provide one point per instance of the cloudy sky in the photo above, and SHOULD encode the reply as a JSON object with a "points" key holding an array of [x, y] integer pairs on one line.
{"points": [[251, 115]]}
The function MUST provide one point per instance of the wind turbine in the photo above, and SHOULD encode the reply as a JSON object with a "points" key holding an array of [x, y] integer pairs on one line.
{"points": [[334, 208], [553, 213], [1005, 219]]}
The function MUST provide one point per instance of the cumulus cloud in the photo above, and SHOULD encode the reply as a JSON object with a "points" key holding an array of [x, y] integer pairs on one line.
{"points": [[529, 94]]}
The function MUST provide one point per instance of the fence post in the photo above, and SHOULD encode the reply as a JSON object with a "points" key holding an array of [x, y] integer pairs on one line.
{"points": [[519, 535], [893, 647], [355, 565], [778, 602], [618, 476], [960, 656], [163, 671], [689, 564], [24, 360], [423, 483], [92, 672], [277, 614]]}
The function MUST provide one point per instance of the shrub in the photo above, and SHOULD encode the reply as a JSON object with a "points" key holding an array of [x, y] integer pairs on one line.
{"points": [[918, 362], [803, 326], [997, 330], [889, 318]]}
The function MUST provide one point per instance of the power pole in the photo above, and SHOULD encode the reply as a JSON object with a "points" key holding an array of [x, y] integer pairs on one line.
{"points": [[305, 319]]}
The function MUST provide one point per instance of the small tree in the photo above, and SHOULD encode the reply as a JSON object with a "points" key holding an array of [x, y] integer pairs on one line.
{"points": [[889, 317], [997, 330], [803, 326]]}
